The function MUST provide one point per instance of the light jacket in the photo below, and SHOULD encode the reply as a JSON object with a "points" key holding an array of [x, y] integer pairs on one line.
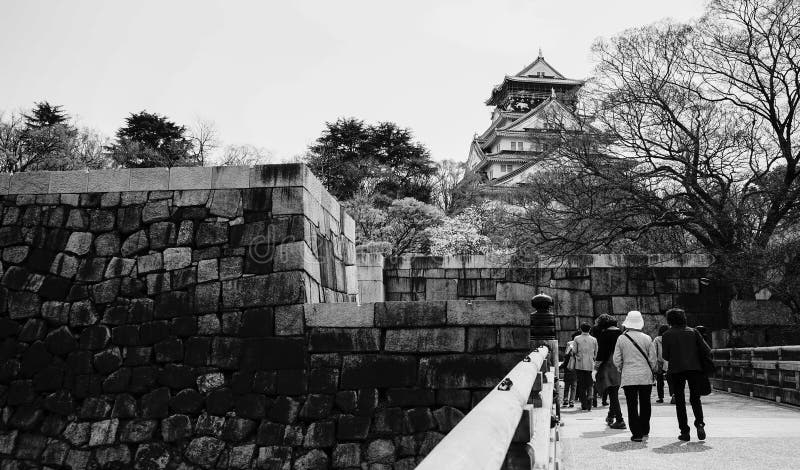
{"points": [[631, 363], [570, 365], [663, 365], [586, 352]]}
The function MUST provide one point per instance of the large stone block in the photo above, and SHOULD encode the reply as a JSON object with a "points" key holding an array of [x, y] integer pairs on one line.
{"points": [[30, 182], [106, 181], [345, 339], [570, 302], [342, 315], [360, 371], [490, 312], [760, 312], [149, 179], [371, 291], [611, 281], [273, 176], [69, 181], [289, 201], [181, 178], [272, 289], [515, 291], [226, 203], [465, 370], [273, 353], [426, 340], [230, 177], [416, 314]]}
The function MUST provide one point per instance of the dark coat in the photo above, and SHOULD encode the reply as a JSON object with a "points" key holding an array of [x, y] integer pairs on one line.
{"points": [[606, 340], [682, 347]]}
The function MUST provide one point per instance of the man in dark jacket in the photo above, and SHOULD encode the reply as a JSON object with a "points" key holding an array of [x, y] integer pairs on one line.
{"points": [[683, 348], [607, 373]]}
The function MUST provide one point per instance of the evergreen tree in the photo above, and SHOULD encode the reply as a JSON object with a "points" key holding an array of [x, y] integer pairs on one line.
{"points": [[45, 115], [151, 140]]}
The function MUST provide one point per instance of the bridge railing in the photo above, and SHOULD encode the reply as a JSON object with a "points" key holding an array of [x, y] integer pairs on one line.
{"points": [[771, 373], [482, 439]]}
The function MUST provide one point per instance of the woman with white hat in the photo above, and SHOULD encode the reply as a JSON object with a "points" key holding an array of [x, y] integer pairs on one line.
{"points": [[636, 359]]}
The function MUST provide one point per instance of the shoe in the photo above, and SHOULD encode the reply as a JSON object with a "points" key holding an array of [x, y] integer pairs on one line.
{"points": [[660, 400], [684, 437], [609, 420], [672, 401], [618, 425], [571, 405], [605, 403], [701, 432], [594, 403], [636, 439], [564, 405]]}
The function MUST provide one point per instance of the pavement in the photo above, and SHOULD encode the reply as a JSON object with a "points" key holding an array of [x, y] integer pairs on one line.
{"points": [[742, 433]]}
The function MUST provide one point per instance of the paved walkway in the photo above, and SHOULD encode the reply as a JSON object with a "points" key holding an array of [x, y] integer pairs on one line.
{"points": [[742, 434]]}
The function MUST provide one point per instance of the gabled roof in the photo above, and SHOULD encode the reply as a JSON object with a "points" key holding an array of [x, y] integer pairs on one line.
{"points": [[532, 117], [540, 68]]}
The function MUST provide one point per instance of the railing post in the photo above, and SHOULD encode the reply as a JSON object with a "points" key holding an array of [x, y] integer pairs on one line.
{"points": [[543, 327]]}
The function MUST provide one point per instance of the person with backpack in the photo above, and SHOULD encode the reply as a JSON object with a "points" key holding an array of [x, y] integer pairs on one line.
{"points": [[570, 377], [689, 359], [635, 357]]}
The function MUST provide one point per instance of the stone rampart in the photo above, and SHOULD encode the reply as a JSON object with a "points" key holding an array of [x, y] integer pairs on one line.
{"points": [[582, 286]]}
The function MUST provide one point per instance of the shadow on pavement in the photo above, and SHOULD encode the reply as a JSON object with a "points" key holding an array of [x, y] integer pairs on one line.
{"points": [[623, 446], [682, 448], [606, 433]]}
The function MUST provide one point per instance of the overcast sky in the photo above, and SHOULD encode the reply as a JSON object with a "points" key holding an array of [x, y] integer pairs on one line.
{"points": [[270, 73]]}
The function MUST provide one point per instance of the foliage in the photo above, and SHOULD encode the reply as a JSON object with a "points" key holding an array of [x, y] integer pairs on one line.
{"points": [[379, 160], [697, 144], [244, 155], [460, 235], [151, 140], [45, 139], [445, 181]]}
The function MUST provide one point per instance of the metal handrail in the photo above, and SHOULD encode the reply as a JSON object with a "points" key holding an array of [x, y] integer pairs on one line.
{"points": [[480, 441]]}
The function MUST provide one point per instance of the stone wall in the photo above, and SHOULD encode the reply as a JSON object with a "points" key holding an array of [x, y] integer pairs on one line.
{"points": [[759, 323], [582, 286], [273, 386]]}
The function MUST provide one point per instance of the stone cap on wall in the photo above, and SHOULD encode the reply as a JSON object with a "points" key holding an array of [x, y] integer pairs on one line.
{"points": [[664, 260], [162, 179]]}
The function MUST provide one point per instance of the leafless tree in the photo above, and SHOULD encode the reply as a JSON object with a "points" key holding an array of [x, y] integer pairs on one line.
{"points": [[695, 143], [244, 155], [448, 174], [205, 139]]}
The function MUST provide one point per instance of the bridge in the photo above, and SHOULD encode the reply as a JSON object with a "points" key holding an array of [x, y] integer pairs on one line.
{"points": [[753, 427]]}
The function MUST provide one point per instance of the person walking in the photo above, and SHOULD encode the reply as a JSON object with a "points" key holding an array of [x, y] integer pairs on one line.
{"points": [[635, 357], [608, 378], [585, 354], [570, 377], [661, 367], [685, 350]]}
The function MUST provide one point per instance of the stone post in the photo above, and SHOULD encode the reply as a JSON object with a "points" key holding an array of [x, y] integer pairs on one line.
{"points": [[543, 327]]}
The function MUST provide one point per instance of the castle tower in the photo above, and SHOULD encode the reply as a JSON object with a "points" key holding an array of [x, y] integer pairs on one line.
{"points": [[521, 130]]}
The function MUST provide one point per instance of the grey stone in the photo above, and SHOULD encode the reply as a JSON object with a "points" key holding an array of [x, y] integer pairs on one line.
{"points": [[314, 460], [429, 441], [447, 418], [137, 430], [101, 220], [105, 181], [151, 456], [56, 312], [7, 441], [119, 454], [135, 244], [30, 182], [209, 425], [103, 432], [230, 177], [346, 315], [55, 453], [211, 381], [65, 265], [226, 203], [289, 320], [181, 178], [196, 197], [346, 455], [274, 457], [155, 211], [425, 340], [230, 268], [212, 233], [185, 233], [241, 456], [208, 324], [149, 263], [106, 292], [78, 459], [79, 243], [15, 254], [380, 451], [463, 312], [207, 270], [177, 258], [82, 314], [107, 244], [77, 433], [119, 267], [162, 234], [149, 179], [175, 428], [204, 451]]}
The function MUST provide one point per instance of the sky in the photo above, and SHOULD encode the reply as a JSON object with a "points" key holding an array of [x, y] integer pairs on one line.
{"points": [[271, 73]]}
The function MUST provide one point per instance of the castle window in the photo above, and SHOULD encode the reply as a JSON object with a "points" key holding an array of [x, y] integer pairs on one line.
{"points": [[506, 168], [513, 145]]}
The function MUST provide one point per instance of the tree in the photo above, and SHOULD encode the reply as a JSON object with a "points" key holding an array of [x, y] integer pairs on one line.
{"points": [[45, 139], [151, 140], [244, 155], [698, 140], [448, 174], [204, 139], [380, 159], [407, 222], [460, 235]]}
